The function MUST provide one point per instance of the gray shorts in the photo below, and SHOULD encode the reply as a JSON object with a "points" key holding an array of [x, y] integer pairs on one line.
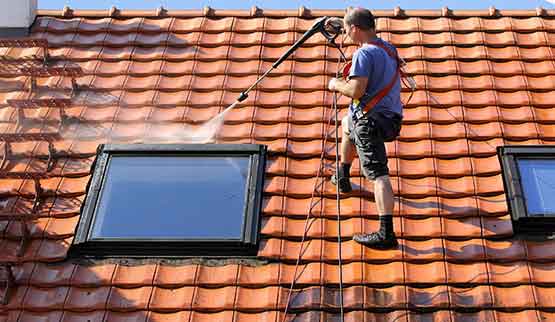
{"points": [[369, 135]]}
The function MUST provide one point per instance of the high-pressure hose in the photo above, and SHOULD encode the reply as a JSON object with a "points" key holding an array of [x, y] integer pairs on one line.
{"points": [[318, 26]]}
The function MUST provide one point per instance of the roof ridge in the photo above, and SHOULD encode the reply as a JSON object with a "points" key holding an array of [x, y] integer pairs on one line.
{"points": [[302, 11]]}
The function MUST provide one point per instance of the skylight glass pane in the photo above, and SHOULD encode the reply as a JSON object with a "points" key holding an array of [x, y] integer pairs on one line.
{"points": [[172, 197], [538, 182]]}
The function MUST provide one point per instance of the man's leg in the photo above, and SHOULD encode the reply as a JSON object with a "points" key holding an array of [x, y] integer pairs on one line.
{"points": [[373, 156], [385, 236], [342, 178], [383, 193]]}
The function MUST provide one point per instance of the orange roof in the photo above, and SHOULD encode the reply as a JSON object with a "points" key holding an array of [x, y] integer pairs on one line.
{"points": [[491, 71]]}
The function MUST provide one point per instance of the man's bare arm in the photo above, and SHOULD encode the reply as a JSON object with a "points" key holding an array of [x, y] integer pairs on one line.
{"points": [[354, 88]]}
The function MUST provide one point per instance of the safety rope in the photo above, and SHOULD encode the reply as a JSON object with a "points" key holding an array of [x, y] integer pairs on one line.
{"points": [[335, 109], [314, 201], [433, 98]]}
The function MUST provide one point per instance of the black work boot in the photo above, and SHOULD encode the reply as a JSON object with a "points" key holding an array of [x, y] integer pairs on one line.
{"points": [[383, 238], [342, 178]]}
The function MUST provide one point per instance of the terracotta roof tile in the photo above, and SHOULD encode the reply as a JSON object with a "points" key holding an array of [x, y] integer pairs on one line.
{"points": [[133, 299], [467, 273], [513, 297], [425, 274], [44, 298], [425, 250], [526, 315], [98, 275], [216, 299], [509, 273], [489, 72], [172, 299], [48, 276], [467, 297], [223, 316], [131, 276]]}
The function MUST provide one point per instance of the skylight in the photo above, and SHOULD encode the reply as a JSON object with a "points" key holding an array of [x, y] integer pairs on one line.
{"points": [[529, 179], [173, 200]]}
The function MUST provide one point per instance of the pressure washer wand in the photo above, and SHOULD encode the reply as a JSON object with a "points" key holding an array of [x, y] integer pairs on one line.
{"points": [[318, 26]]}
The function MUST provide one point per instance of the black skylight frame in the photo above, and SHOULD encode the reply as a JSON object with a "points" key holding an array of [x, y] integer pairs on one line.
{"points": [[523, 222], [247, 245]]}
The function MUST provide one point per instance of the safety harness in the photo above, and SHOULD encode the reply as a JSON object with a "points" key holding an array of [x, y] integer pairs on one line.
{"points": [[357, 111]]}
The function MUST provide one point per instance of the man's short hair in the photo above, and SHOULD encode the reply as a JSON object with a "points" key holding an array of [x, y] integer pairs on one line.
{"points": [[361, 18]]}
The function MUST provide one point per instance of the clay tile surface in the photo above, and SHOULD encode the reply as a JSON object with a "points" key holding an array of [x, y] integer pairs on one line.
{"points": [[484, 78]]}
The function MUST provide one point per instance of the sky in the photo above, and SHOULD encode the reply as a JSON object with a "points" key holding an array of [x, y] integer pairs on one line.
{"points": [[290, 4]]}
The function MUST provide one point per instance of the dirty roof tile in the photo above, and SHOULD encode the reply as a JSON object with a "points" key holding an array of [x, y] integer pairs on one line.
{"points": [[94, 25], [48, 275], [181, 43], [86, 299], [92, 276], [156, 25], [133, 299], [125, 25]]}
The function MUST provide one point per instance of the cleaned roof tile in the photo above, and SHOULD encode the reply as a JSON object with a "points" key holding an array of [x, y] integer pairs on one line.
{"points": [[134, 276], [172, 299]]}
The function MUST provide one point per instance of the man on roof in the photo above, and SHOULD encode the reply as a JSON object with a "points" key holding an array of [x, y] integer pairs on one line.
{"points": [[374, 118]]}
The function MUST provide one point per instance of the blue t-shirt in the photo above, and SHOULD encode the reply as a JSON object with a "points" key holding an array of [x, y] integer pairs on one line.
{"points": [[375, 63]]}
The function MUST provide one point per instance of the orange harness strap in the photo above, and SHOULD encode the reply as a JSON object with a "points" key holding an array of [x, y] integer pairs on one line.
{"points": [[382, 93]]}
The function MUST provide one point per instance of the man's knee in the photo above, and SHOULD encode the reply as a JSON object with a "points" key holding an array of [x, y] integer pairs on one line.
{"points": [[376, 173]]}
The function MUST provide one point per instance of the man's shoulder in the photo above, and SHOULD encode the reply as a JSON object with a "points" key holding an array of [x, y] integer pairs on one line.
{"points": [[371, 48]]}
